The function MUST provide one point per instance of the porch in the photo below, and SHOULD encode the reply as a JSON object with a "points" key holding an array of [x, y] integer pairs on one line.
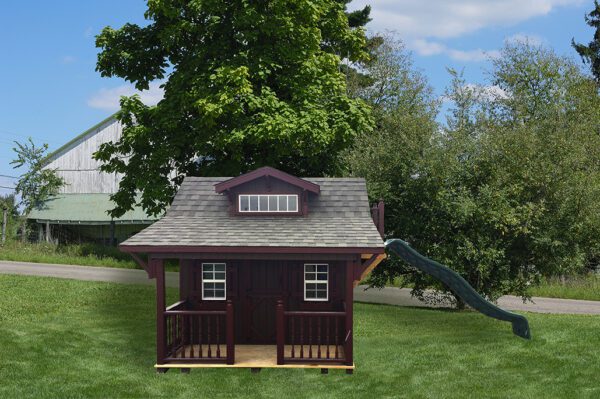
{"points": [[254, 357], [191, 338]]}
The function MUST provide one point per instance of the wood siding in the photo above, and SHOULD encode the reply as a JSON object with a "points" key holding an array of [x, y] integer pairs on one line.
{"points": [[77, 167]]}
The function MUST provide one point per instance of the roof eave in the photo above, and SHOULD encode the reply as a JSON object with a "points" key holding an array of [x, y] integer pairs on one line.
{"points": [[175, 249], [267, 171]]}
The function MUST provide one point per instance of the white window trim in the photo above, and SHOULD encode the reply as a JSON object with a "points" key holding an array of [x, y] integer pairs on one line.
{"points": [[224, 281], [326, 282], [268, 202]]}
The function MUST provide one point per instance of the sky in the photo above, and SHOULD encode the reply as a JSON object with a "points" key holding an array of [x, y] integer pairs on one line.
{"points": [[50, 91]]}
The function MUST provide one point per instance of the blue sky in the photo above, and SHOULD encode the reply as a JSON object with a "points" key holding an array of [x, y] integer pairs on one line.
{"points": [[49, 88]]}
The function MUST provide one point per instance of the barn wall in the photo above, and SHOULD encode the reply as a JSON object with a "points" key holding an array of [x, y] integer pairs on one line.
{"points": [[78, 168]]}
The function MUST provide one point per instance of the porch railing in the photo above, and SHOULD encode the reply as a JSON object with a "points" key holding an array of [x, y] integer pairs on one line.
{"points": [[312, 337], [199, 336]]}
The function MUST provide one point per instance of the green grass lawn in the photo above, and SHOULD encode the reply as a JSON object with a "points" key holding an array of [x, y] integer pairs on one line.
{"points": [[573, 287], [64, 338], [86, 254]]}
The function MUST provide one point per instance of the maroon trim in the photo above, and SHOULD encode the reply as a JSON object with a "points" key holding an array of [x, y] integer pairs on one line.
{"points": [[267, 171], [250, 250]]}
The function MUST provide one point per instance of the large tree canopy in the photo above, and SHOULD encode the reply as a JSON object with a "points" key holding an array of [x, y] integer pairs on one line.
{"points": [[246, 84], [508, 191]]}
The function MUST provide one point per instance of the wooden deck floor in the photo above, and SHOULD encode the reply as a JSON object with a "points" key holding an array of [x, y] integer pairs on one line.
{"points": [[260, 356]]}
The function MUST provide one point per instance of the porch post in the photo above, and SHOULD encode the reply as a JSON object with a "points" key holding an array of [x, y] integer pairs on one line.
{"points": [[230, 333], [349, 313], [280, 331], [159, 268]]}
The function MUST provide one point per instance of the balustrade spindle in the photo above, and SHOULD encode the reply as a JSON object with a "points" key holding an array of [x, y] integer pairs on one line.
{"points": [[293, 332], [208, 336], [191, 334], [337, 335], [319, 337], [327, 341], [310, 355], [301, 319], [218, 337], [200, 336]]}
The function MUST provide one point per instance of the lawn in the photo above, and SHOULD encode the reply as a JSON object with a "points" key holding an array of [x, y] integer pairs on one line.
{"points": [[86, 254], [64, 338], [572, 287]]}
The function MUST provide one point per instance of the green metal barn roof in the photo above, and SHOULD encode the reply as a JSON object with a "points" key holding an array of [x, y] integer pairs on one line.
{"points": [[85, 209]]}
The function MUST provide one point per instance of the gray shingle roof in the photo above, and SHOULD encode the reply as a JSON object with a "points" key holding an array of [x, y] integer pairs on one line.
{"points": [[338, 217]]}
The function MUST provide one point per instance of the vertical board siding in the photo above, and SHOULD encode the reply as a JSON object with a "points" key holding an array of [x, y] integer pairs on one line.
{"points": [[78, 168]]}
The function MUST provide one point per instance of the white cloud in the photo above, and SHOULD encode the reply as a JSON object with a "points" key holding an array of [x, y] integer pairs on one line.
{"points": [[448, 19], [428, 48], [108, 99], [486, 92], [418, 22]]}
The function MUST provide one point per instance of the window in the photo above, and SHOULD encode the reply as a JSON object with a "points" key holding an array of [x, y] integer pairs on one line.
{"points": [[268, 202], [213, 281], [316, 282]]}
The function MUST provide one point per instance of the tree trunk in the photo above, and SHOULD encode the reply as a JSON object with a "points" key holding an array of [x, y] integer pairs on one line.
{"points": [[460, 304]]}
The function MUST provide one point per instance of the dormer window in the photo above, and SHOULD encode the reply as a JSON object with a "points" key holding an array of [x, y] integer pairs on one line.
{"points": [[276, 203], [268, 191]]}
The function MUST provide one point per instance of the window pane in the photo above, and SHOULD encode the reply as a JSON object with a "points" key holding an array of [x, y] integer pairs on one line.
{"points": [[322, 276], [209, 286], [209, 293], [292, 203], [207, 267], [321, 286], [310, 294], [263, 203], [322, 268], [282, 202], [219, 286], [309, 268], [244, 203], [254, 203], [221, 276], [207, 275], [272, 203], [219, 293], [220, 267], [310, 276], [321, 294], [310, 286]]}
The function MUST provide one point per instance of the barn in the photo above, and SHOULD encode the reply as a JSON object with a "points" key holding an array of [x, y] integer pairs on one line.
{"points": [[79, 211]]}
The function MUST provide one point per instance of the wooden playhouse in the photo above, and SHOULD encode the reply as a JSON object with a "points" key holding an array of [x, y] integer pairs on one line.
{"points": [[268, 262]]}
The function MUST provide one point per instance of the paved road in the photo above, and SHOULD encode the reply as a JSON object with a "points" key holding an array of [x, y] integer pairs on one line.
{"points": [[389, 295]]}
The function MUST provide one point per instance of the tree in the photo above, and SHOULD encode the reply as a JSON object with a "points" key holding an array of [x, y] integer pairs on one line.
{"points": [[37, 184], [590, 54], [246, 84], [508, 190]]}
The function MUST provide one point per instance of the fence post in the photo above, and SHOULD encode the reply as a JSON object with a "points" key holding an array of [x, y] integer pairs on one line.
{"points": [[280, 331], [4, 222], [230, 333], [158, 265], [349, 309]]}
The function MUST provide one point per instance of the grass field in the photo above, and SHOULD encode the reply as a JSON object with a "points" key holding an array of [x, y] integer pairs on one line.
{"points": [[71, 254], [573, 287], [64, 338]]}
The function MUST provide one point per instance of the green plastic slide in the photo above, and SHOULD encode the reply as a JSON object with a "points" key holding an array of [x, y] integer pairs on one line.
{"points": [[458, 285]]}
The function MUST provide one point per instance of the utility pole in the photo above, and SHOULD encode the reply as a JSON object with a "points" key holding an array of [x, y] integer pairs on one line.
{"points": [[4, 222]]}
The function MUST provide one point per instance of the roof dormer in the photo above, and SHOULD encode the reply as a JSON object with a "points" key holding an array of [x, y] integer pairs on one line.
{"points": [[268, 191]]}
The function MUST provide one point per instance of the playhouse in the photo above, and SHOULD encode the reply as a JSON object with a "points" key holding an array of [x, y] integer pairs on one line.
{"points": [[267, 263]]}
